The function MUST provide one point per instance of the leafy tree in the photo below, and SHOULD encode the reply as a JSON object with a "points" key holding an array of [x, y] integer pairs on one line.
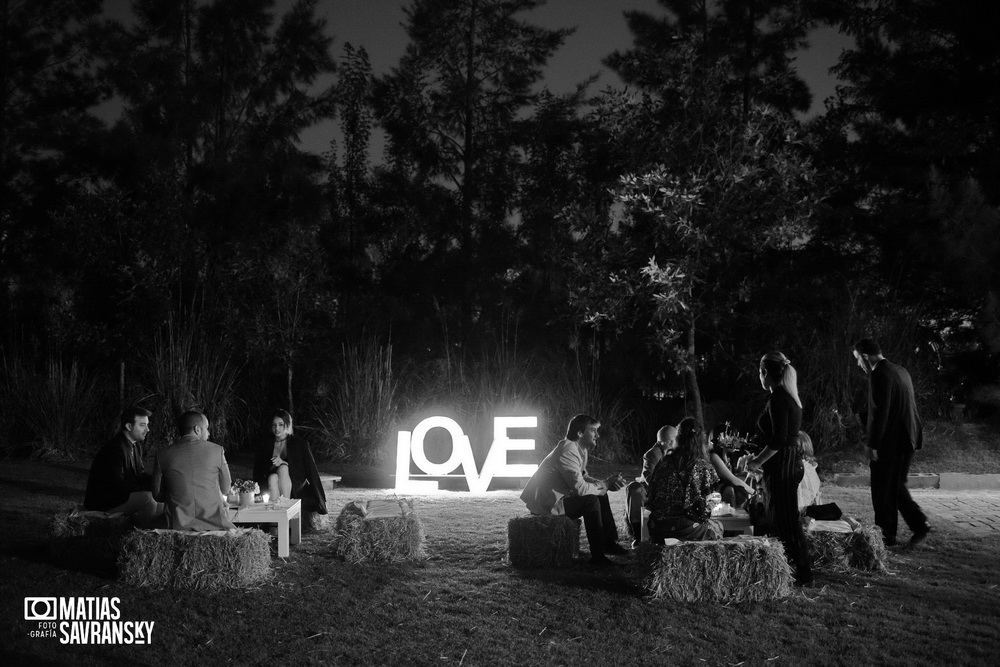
{"points": [[915, 131], [348, 188], [755, 38], [732, 192], [920, 89], [283, 300], [451, 110], [554, 182], [48, 82], [354, 89], [217, 94]]}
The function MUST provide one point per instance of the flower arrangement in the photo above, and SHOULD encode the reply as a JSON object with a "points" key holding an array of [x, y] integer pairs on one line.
{"points": [[245, 486], [731, 441]]}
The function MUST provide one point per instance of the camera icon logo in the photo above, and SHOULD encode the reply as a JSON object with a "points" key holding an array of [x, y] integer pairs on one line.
{"points": [[40, 609]]}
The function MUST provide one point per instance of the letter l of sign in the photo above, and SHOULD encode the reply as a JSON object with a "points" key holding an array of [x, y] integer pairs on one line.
{"points": [[403, 481]]}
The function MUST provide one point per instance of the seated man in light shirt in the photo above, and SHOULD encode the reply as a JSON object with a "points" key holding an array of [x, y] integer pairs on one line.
{"points": [[561, 485]]}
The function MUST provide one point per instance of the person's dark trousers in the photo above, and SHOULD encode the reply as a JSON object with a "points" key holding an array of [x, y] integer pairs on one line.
{"points": [[598, 520], [635, 498], [782, 485], [890, 497]]}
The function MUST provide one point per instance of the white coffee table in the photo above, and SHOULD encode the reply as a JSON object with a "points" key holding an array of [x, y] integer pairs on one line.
{"points": [[286, 514]]}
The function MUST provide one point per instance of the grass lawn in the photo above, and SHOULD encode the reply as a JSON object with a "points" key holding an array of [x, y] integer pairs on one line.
{"points": [[466, 606]]}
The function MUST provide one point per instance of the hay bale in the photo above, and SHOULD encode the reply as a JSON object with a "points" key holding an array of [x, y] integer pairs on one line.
{"points": [[740, 570], [366, 535], [862, 548], [80, 523], [178, 559], [829, 550], [81, 535], [542, 541], [314, 522], [355, 509], [867, 549]]}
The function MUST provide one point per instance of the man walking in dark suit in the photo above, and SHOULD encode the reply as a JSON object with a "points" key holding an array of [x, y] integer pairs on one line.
{"points": [[894, 433]]}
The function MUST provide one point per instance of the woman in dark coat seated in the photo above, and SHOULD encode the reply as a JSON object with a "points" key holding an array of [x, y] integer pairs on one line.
{"points": [[285, 466], [679, 487]]}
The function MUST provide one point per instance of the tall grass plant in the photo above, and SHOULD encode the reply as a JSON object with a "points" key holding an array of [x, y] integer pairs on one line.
{"points": [[187, 371], [355, 411], [56, 410]]}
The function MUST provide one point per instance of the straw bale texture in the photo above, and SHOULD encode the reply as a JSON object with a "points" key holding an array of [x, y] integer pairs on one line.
{"points": [[87, 536], [314, 522], [542, 541], [867, 550], [829, 550], [177, 559], [362, 538], [862, 549], [740, 570]]}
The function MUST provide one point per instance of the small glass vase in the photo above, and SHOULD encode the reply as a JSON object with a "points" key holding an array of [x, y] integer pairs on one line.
{"points": [[246, 499]]}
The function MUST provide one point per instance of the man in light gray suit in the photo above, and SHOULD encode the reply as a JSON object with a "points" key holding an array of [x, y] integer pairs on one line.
{"points": [[192, 478], [561, 485]]}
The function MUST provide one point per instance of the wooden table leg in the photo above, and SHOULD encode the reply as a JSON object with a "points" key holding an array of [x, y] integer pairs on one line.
{"points": [[283, 537]]}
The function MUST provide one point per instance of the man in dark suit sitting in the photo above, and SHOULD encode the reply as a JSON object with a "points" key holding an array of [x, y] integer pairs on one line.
{"points": [[118, 481], [894, 433]]}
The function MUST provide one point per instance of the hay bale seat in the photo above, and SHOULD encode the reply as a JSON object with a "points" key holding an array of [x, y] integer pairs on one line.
{"points": [[314, 522], [847, 544], [200, 560], [732, 570], [80, 535], [379, 531], [542, 541]]}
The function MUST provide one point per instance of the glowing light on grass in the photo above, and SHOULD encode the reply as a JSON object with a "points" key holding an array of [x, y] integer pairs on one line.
{"points": [[410, 446]]}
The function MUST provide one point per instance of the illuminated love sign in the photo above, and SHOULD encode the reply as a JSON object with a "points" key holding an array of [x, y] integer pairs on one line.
{"points": [[411, 445]]}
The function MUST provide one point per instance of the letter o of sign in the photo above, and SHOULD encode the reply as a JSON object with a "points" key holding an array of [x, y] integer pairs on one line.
{"points": [[460, 447]]}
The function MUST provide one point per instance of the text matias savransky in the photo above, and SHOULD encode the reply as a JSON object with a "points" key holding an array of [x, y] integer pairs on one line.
{"points": [[84, 620]]}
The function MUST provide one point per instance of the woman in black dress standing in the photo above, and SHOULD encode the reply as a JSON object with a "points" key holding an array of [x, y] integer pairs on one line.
{"points": [[284, 464], [780, 461]]}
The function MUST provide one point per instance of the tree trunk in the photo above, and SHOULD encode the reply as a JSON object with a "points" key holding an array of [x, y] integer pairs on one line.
{"points": [[121, 386], [691, 377], [291, 404], [468, 181], [189, 139], [748, 55]]}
